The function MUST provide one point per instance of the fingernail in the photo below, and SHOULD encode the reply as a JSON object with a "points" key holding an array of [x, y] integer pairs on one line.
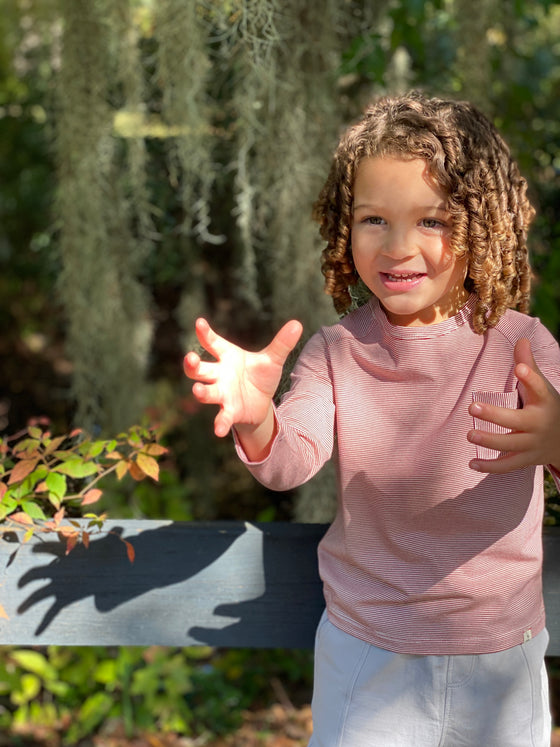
{"points": [[476, 409], [475, 466]]}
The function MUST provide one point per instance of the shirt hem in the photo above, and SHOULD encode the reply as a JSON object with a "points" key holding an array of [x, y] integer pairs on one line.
{"points": [[441, 646]]}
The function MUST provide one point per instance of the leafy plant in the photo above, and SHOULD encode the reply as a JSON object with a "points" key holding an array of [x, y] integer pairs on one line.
{"points": [[46, 481]]}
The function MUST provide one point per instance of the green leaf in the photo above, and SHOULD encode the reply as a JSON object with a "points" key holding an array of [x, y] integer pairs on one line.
{"points": [[56, 483], [77, 468], [34, 661], [33, 510], [29, 688], [8, 505], [93, 711], [106, 672]]}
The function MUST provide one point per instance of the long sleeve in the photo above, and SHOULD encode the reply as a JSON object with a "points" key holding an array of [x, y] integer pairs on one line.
{"points": [[305, 419]]}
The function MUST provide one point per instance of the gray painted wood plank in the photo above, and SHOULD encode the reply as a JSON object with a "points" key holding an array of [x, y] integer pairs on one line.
{"points": [[222, 584], [231, 584]]}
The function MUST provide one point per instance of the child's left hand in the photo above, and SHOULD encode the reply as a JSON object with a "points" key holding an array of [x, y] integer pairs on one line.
{"points": [[535, 436]]}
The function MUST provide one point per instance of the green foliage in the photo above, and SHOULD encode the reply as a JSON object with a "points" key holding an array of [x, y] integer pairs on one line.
{"points": [[73, 691], [45, 478]]}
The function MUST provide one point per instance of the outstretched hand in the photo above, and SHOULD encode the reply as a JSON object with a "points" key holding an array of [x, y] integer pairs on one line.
{"points": [[535, 429], [240, 382]]}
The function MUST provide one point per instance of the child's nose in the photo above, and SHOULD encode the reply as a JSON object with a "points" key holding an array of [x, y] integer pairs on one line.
{"points": [[399, 244]]}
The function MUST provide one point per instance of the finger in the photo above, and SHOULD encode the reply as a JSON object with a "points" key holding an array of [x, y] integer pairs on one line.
{"points": [[506, 442], [532, 384], [222, 423], [284, 341], [191, 362], [207, 394], [506, 463], [523, 355], [210, 340], [200, 370], [502, 416]]}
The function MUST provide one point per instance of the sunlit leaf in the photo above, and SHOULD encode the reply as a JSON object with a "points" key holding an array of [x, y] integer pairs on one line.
{"points": [[22, 469], [114, 455], [33, 510], [34, 661], [136, 472], [21, 518], [54, 444], [122, 469], [3, 614], [148, 465], [92, 496], [77, 468], [28, 535], [155, 450], [56, 483]]}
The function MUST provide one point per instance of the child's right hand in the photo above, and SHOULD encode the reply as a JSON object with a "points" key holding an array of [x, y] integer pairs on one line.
{"points": [[241, 383]]}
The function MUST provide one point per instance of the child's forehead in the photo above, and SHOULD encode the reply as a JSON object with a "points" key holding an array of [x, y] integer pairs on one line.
{"points": [[378, 167]]}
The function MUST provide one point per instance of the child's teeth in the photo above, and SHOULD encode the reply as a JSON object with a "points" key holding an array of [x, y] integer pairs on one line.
{"points": [[406, 278]]}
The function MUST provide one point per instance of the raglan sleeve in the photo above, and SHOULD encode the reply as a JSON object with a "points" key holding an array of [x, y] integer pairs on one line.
{"points": [[547, 357], [305, 423]]}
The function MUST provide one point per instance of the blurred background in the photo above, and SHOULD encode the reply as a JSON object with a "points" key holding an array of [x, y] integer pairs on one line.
{"points": [[159, 160]]}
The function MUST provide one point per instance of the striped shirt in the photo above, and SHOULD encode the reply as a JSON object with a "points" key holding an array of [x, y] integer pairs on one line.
{"points": [[425, 555]]}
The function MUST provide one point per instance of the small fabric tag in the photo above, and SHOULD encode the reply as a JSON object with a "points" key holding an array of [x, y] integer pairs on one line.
{"points": [[527, 635]]}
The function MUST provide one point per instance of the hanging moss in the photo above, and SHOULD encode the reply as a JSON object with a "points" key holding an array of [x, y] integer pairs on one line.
{"points": [[474, 64], [182, 70], [108, 324]]}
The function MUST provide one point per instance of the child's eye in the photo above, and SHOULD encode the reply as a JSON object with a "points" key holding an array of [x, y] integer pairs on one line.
{"points": [[374, 220], [432, 223]]}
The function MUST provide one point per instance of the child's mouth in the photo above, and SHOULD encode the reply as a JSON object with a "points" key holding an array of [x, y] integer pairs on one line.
{"points": [[400, 280]]}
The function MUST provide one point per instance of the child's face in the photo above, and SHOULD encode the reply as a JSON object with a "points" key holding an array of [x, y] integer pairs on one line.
{"points": [[400, 242]]}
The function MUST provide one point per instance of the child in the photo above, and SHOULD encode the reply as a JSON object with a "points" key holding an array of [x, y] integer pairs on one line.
{"points": [[440, 404]]}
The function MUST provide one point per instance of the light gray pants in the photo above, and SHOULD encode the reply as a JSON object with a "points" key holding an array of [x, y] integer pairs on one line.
{"points": [[365, 696]]}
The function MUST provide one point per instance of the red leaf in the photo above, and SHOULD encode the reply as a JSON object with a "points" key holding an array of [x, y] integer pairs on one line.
{"points": [[92, 496], [136, 472], [21, 518], [130, 551], [85, 539], [22, 469], [67, 531], [71, 543]]}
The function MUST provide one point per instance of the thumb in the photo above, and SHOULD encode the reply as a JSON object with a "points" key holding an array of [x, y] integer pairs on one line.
{"points": [[523, 355], [531, 381], [284, 341]]}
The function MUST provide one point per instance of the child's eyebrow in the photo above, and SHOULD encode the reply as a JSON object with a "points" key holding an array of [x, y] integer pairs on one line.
{"points": [[424, 208]]}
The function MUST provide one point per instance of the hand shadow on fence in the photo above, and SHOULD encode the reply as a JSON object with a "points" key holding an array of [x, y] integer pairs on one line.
{"points": [[219, 572]]}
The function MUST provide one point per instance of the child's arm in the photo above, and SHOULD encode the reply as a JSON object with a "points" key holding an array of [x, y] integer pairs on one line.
{"points": [[535, 437], [242, 384]]}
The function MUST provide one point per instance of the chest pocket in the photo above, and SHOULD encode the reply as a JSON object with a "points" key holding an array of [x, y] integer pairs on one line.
{"points": [[500, 399]]}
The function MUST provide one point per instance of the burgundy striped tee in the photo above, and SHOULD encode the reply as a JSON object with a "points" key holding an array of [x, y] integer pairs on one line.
{"points": [[425, 555]]}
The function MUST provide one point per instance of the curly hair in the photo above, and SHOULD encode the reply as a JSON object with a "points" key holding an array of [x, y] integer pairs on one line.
{"points": [[487, 197]]}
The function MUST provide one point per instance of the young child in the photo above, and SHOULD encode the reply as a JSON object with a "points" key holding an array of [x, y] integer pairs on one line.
{"points": [[440, 404]]}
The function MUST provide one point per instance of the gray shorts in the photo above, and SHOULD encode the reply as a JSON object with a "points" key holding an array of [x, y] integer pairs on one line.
{"points": [[365, 696]]}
